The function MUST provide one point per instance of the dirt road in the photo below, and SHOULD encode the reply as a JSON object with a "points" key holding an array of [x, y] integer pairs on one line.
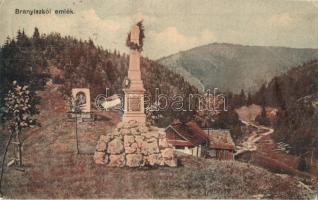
{"points": [[250, 143]]}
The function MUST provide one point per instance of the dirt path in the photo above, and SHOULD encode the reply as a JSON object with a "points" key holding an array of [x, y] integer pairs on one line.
{"points": [[261, 150], [250, 143]]}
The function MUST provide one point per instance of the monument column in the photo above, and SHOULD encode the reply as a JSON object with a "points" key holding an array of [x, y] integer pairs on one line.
{"points": [[134, 93]]}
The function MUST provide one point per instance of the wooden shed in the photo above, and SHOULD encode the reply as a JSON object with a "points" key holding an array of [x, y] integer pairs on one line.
{"points": [[221, 145], [188, 138]]}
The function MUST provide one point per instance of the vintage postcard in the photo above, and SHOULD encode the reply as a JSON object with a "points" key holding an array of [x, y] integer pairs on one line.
{"points": [[147, 99]]}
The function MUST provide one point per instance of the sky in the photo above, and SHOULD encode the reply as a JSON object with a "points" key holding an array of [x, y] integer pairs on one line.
{"points": [[171, 25]]}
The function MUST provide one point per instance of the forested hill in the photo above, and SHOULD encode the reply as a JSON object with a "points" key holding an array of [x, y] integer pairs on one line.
{"points": [[232, 67], [295, 94], [76, 63]]}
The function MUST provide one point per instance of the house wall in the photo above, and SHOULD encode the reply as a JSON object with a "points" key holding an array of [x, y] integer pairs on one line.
{"points": [[197, 151], [186, 150], [221, 154]]}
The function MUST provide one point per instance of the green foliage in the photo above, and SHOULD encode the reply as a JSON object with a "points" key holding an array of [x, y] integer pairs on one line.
{"points": [[294, 94], [238, 100], [229, 120], [20, 107], [284, 90], [22, 60], [262, 118], [75, 63]]}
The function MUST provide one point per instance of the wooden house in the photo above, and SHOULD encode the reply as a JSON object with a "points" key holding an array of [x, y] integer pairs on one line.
{"points": [[188, 138], [221, 145]]}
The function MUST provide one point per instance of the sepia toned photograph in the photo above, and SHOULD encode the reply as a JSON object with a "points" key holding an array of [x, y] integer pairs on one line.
{"points": [[148, 99]]}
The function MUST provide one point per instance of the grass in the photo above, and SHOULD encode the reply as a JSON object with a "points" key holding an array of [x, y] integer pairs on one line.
{"points": [[54, 170]]}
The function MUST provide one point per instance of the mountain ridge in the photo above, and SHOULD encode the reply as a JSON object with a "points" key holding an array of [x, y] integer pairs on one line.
{"points": [[231, 67]]}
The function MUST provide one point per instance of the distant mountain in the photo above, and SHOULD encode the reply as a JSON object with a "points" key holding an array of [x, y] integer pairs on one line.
{"points": [[235, 67]]}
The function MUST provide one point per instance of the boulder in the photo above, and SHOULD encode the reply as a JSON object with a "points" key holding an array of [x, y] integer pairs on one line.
{"points": [[154, 159], [139, 140], [149, 140], [120, 125], [163, 143], [106, 138], [162, 134], [167, 153], [116, 132], [143, 129], [149, 148], [117, 160], [134, 131], [128, 140], [100, 157], [132, 149], [171, 162], [101, 146], [152, 134], [133, 123], [125, 132], [134, 160], [115, 146]]}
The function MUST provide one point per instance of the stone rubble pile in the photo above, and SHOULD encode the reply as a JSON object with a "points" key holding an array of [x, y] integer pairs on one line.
{"points": [[134, 145]]}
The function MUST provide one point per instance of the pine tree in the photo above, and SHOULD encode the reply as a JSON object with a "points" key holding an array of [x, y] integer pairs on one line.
{"points": [[262, 118], [249, 99], [242, 98], [36, 33]]}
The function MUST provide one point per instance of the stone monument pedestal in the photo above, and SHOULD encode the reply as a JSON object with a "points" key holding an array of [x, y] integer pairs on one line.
{"points": [[134, 106]]}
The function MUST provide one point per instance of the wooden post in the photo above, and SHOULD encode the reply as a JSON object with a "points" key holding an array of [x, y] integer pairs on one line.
{"points": [[3, 159], [312, 155], [76, 135], [19, 148]]}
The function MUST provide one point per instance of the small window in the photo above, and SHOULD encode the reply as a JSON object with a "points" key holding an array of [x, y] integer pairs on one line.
{"points": [[179, 147]]}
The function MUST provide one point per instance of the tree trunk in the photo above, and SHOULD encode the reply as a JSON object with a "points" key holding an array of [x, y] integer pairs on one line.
{"points": [[3, 159], [19, 148]]}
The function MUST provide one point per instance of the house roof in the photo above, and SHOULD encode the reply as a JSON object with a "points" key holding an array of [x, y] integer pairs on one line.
{"points": [[190, 132], [220, 139], [194, 135]]}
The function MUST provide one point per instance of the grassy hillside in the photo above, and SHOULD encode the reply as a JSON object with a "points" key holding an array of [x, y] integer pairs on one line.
{"points": [[235, 67], [54, 170]]}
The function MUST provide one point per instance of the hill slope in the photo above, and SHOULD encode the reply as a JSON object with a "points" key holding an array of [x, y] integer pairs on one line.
{"points": [[75, 63], [234, 67], [295, 93], [54, 170]]}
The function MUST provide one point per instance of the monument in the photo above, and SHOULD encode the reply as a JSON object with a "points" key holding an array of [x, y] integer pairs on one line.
{"points": [[134, 88], [132, 143]]}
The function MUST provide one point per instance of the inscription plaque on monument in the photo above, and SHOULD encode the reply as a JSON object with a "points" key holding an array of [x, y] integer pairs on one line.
{"points": [[134, 104]]}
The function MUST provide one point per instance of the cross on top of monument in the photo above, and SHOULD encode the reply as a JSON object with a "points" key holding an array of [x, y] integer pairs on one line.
{"points": [[134, 34]]}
